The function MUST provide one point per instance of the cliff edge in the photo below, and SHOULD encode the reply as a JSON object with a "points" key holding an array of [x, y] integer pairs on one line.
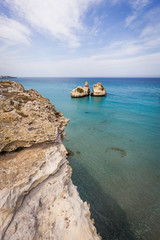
{"points": [[37, 197]]}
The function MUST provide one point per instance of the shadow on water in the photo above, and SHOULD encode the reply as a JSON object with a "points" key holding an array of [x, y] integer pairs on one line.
{"points": [[98, 100], [80, 100], [110, 219]]}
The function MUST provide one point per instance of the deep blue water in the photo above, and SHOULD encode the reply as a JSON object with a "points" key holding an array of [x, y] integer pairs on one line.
{"points": [[116, 145]]}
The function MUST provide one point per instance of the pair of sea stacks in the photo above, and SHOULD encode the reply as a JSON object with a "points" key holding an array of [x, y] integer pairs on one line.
{"points": [[98, 90]]}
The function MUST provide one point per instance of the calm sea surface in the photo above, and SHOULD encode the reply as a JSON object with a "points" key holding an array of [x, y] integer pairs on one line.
{"points": [[116, 146]]}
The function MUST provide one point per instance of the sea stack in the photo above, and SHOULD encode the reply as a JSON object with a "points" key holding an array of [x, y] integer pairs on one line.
{"points": [[81, 91], [98, 90], [37, 197]]}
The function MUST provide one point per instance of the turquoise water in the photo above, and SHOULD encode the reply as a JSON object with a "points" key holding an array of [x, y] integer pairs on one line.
{"points": [[116, 146]]}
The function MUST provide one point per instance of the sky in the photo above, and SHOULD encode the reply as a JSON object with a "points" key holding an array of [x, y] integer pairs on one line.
{"points": [[80, 38]]}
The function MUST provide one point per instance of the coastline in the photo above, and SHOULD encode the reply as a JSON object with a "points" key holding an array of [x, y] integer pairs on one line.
{"points": [[6, 77], [38, 198], [126, 119]]}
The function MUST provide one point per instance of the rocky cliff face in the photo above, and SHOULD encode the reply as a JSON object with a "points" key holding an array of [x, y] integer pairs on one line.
{"points": [[37, 198], [26, 117]]}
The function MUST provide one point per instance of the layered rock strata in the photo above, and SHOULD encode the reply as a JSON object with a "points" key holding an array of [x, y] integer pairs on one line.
{"points": [[26, 117], [81, 91], [37, 197], [98, 90]]}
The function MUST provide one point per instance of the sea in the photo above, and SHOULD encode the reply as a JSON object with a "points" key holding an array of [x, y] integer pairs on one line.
{"points": [[114, 145]]}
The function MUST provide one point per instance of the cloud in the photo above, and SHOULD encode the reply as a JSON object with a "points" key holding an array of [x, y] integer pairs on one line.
{"points": [[61, 19], [140, 66], [139, 4], [130, 19], [137, 7], [151, 30], [148, 41], [64, 20], [12, 32]]}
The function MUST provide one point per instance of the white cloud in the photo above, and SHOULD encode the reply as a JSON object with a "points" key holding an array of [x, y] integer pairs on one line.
{"points": [[130, 19], [151, 30], [141, 66], [137, 6], [12, 32], [61, 19], [130, 49]]}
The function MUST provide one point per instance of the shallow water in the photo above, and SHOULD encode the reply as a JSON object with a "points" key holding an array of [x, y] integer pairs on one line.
{"points": [[116, 145]]}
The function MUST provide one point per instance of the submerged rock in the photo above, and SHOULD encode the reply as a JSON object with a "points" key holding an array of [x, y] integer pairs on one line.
{"points": [[119, 150], [37, 197], [81, 91], [69, 152], [98, 90]]}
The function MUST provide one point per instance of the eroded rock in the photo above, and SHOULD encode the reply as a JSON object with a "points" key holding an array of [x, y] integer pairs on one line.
{"points": [[81, 91], [98, 90], [26, 117]]}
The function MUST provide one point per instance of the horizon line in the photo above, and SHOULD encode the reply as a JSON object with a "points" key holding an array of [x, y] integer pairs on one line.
{"points": [[86, 77]]}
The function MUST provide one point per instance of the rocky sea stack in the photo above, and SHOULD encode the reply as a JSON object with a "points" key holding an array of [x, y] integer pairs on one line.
{"points": [[37, 197], [98, 90], [81, 91]]}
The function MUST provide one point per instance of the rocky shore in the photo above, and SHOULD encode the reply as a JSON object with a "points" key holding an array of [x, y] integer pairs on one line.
{"points": [[37, 197]]}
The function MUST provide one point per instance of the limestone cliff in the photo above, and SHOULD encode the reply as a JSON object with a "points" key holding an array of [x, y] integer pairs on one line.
{"points": [[26, 117], [38, 200]]}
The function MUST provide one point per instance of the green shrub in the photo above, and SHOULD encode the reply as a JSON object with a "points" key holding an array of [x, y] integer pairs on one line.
{"points": [[80, 90]]}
